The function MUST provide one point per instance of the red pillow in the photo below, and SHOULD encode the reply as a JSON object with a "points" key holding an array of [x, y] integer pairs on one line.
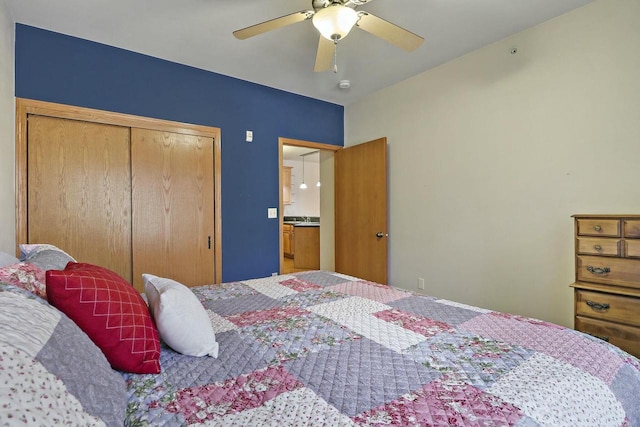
{"points": [[111, 312]]}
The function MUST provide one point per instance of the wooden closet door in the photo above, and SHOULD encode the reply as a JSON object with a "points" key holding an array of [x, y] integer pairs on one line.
{"points": [[79, 190], [173, 196]]}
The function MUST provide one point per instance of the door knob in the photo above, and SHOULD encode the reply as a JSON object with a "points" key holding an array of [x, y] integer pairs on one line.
{"points": [[381, 234]]}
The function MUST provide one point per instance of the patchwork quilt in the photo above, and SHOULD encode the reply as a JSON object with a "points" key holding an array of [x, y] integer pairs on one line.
{"points": [[51, 374], [325, 349]]}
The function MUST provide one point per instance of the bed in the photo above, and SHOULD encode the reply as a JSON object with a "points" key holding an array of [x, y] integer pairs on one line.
{"points": [[323, 349]]}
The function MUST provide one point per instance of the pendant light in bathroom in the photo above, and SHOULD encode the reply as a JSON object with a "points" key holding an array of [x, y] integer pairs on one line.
{"points": [[303, 186]]}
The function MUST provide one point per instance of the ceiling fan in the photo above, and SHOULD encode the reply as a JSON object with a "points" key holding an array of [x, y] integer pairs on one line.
{"points": [[334, 19]]}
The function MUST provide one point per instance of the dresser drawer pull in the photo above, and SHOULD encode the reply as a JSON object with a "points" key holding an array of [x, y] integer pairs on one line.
{"points": [[600, 337], [598, 306], [598, 270], [597, 228], [597, 248]]}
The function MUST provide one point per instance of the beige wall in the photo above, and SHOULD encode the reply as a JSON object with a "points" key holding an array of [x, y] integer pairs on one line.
{"points": [[7, 135], [327, 211], [491, 154]]}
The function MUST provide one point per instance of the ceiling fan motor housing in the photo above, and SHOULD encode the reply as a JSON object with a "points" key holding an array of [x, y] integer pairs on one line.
{"points": [[320, 4], [335, 22], [334, 19]]}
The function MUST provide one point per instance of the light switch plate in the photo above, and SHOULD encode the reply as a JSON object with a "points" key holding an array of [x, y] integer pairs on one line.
{"points": [[272, 212], [249, 137]]}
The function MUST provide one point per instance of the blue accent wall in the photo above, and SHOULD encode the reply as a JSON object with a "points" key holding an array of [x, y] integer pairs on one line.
{"points": [[58, 68]]}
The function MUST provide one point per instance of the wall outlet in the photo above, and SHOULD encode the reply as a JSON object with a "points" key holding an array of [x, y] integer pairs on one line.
{"points": [[274, 274], [249, 136], [421, 283]]}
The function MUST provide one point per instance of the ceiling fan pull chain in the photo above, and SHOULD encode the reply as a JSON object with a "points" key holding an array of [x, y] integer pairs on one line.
{"points": [[335, 56]]}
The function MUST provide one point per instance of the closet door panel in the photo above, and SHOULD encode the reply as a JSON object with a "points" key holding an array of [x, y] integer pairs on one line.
{"points": [[173, 206], [79, 190]]}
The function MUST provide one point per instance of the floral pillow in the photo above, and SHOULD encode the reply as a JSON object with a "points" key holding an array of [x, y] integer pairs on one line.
{"points": [[26, 276]]}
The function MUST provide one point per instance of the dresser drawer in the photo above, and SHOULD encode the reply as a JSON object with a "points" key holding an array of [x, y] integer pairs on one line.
{"points": [[625, 337], [614, 271], [597, 246], [599, 227], [632, 248], [632, 228], [617, 308]]}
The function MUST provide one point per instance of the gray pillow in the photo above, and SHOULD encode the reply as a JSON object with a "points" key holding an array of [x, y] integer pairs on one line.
{"points": [[6, 259], [49, 259]]}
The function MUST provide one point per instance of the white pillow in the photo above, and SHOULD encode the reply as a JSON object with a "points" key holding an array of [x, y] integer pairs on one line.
{"points": [[182, 321]]}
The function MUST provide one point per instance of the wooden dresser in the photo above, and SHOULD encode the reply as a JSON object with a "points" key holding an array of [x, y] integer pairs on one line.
{"points": [[607, 286]]}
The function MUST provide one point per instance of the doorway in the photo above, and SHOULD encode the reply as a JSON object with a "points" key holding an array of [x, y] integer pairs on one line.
{"points": [[323, 205]]}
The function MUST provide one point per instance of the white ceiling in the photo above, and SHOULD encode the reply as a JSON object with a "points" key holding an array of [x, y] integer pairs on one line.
{"points": [[290, 152], [199, 33]]}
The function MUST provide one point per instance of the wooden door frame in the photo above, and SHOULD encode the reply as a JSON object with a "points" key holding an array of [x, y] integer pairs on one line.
{"points": [[24, 107], [296, 143]]}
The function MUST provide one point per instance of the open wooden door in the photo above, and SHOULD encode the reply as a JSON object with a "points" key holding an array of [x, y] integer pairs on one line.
{"points": [[361, 210]]}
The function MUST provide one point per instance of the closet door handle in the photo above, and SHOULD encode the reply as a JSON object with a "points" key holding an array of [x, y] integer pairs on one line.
{"points": [[209, 241]]}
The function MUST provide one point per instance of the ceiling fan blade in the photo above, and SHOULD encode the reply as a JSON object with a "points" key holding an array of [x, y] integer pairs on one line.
{"points": [[398, 36], [324, 55], [273, 24]]}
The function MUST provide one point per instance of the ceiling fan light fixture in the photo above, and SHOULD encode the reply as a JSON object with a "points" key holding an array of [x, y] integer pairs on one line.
{"points": [[334, 22]]}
